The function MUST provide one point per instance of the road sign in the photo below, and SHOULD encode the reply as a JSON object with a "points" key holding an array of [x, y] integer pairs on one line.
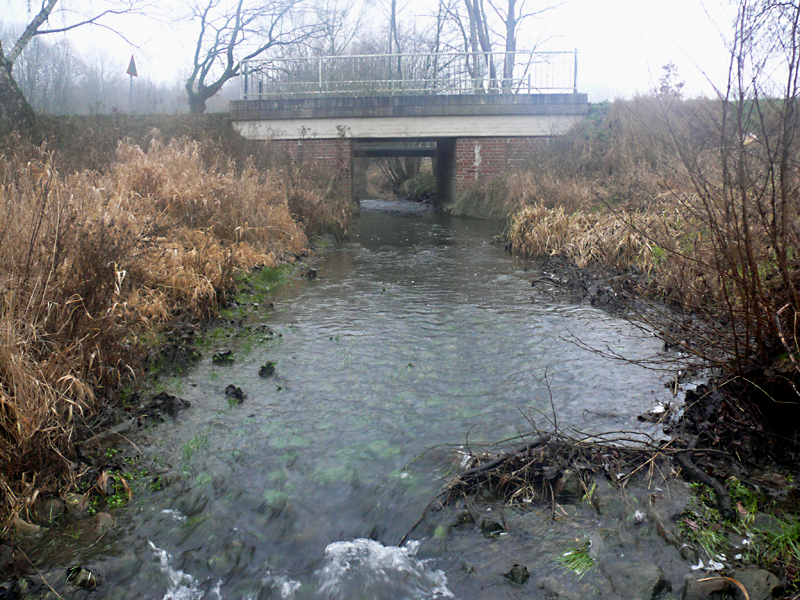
{"points": [[132, 68]]}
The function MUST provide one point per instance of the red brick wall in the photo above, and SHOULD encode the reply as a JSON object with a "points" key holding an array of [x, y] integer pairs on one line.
{"points": [[332, 155], [481, 158], [476, 159]]}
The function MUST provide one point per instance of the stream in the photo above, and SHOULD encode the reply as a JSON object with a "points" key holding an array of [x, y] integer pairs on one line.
{"points": [[418, 337]]}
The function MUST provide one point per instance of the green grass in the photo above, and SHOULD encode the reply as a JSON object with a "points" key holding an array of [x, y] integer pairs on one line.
{"points": [[247, 337], [702, 525], [212, 337], [588, 497], [193, 445], [577, 558], [776, 548], [254, 286], [745, 498]]}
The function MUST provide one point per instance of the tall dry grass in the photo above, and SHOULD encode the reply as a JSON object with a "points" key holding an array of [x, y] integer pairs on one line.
{"points": [[90, 262], [618, 238], [607, 158]]}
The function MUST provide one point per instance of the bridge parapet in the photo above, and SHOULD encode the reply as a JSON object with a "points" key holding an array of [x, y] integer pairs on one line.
{"points": [[442, 73], [409, 106]]}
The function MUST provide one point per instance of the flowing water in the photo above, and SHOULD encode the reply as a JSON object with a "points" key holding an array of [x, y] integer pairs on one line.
{"points": [[418, 337]]}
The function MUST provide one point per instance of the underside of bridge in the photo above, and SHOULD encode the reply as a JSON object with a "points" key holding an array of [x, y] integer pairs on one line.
{"points": [[472, 138]]}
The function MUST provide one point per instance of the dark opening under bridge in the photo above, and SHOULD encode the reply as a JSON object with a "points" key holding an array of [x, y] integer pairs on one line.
{"points": [[477, 114]]}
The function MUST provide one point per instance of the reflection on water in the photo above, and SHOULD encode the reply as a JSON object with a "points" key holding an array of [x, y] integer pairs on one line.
{"points": [[418, 336]]}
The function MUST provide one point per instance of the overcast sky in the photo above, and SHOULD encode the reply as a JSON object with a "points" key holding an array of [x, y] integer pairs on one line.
{"points": [[622, 44]]}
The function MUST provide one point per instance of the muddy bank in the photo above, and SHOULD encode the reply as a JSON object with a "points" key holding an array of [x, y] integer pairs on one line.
{"points": [[566, 518], [106, 465]]}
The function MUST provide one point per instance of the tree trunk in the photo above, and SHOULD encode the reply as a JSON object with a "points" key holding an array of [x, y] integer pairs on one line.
{"points": [[197, 104], [473, 17], [511, 45], [30, 31], [485, 41], [393, 34], [13, 104]]}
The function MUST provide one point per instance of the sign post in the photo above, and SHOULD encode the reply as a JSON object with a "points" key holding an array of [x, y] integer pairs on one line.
{"points": [[132, 72]]}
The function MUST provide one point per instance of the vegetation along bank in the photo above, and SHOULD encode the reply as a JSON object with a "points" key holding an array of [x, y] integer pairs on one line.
{"points": [[111, 228]]}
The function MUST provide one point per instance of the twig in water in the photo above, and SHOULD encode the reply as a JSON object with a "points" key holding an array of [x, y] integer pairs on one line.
{"points": [[39, 573], [418, 521]]}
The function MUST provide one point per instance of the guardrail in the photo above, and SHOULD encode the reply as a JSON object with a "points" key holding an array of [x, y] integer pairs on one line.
{"points": [[449, 73]]}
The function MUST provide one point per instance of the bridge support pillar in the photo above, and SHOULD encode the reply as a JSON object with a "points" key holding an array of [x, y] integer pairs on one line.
{"points": [[360, 184], [465, 164], [444, 169]]}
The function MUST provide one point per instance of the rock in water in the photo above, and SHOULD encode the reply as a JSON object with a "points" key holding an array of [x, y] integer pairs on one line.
{"points": [[222, 357], [165, 403], [82, 578], [638, 580], [760, 584], [490, 527], [267, 369], [234, 393], [518, 574], [48, 509], [307, 272], [25, 529]]}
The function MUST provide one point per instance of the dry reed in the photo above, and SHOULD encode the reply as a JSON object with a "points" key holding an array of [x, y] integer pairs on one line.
{"points": [[91, 262], [619, 238]]}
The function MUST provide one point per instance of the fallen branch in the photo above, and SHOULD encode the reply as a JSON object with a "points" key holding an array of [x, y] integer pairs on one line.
{"points": [[724, 504], [493, 464]]}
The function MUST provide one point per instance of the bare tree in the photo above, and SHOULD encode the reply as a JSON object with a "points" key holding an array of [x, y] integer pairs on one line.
{"points": [[103, 84], [13, 103], [512, 14], [229, 36], [483, 31], [48, 75], [737, 183], [339, 24]]}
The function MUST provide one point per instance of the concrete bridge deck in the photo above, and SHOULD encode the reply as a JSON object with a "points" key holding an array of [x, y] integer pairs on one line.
{"points": [[419, 116]]}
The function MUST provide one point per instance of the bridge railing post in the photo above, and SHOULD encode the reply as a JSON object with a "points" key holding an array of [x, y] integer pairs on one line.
{"points": [[575, 76]]}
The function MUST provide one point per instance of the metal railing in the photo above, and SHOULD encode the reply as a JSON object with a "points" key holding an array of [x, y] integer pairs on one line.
{"points": [[450, 73]]}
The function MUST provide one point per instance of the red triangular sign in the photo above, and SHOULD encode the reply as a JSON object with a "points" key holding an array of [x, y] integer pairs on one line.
{"points": [[132, 68]]}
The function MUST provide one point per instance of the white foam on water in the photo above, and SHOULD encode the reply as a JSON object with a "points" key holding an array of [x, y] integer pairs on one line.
{"points": [[286, 587], [368, 570], [174, 514], [218, 590], [182, 585]]}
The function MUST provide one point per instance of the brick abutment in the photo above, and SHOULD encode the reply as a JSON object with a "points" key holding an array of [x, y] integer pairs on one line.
{"points": [[460, 163], [332, 156]]}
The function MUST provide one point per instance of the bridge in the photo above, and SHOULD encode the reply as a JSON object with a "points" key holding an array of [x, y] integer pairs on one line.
{"points": [[476, 114]]}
